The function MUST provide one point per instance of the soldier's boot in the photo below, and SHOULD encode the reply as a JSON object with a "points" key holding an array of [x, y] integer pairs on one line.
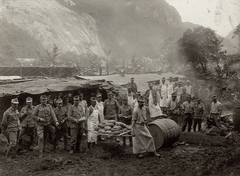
{"points": [[71, 150], [65, 141], [130, 140], [55, 143], [8, 154], [77, 147], [31, 142], [89, 145], [40, 144], [14, 152]]}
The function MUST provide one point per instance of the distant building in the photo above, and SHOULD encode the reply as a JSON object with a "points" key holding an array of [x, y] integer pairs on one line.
{"points": [[27, 62]]}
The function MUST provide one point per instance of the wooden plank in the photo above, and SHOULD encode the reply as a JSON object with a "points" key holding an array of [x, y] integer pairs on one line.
{"points": [[196, 138]]}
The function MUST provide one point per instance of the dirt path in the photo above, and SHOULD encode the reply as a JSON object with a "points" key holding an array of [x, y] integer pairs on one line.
{"points": [[109, 159]]}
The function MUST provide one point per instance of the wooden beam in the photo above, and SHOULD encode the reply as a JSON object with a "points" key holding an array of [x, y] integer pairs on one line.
{"points": [[197, 138]]}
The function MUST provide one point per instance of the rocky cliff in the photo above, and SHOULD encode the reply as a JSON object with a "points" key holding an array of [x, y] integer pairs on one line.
{"points": [[50, 23], [131, 27]]}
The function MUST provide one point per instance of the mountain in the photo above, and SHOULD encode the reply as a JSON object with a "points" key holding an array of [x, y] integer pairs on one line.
{"points": [[231, 43], [188, 25], [220, 15], [131, 27], [49, 23]]}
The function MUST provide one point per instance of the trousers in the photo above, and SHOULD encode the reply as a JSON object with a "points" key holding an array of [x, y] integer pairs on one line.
{"points": [[76, 137], [42, 132], [187, 121], [197, 122]]}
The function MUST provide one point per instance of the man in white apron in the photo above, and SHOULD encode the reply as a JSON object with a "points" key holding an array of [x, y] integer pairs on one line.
{"points": [[100, 106], [178, 90], [130, 96], [170, 88], [151, 97], [93, 119], [163, 94]]}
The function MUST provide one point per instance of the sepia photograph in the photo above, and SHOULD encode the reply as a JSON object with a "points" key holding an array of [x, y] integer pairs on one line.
{"points": [[120, 87]]}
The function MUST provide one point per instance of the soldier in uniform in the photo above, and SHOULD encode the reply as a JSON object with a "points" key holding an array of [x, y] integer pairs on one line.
{"points": [[125, 116], [118, 97], [62, 117], [28, 122], [11, 125], [111, 107], [44, 115], [76, 121]]}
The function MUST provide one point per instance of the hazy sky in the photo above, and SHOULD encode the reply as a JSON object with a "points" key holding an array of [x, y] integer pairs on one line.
{"points": [[220, 15], [196, 11]]}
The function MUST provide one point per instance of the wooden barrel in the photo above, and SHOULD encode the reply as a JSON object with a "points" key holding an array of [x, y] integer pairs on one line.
{"points": [[236, 119], [164, 132]]}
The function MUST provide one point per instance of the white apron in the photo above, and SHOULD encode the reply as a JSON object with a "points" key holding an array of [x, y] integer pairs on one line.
{"points": [[170, 90], [155, 110], [92, 122], [100, 110], [130, 99], [163, 101]]}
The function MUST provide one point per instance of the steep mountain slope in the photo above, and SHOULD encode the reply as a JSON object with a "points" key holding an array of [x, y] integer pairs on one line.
{"points": [[131, 27], [51, 23]]}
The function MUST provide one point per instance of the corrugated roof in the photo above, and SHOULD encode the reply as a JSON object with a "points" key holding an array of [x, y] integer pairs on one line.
{"points": [[41, 86]]}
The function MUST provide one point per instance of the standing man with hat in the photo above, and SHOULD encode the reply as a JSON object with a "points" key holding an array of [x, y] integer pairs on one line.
{"points": [[28, 122], [178, 90], [76, 121], [173, 108], [170, 88], [163, 94], [61, 130], [151, 99], [216, 110], [135, 101], [118, 97], [111, 107], [125, 116], [93, 119], [11, 124], [100, 106], [188, 113], [44, 116], [199, 112], [142, 139], [189, 89], [133, 86]]}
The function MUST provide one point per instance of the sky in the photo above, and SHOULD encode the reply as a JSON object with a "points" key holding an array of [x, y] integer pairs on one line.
{"points": [[210, 13]]}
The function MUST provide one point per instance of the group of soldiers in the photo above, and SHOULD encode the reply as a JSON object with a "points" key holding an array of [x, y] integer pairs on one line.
{"points": [[186, 106], [71, 121]]}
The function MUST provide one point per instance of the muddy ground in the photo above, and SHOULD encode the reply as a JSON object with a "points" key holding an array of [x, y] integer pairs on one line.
{"points": [[113, 159]]}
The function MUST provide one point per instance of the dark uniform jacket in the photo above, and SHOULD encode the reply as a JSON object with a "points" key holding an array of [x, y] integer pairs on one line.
{"points": [[46, 112]]}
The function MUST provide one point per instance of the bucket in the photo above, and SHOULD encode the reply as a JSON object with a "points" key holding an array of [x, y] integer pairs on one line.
{"points": [[236, 119], [164, 132]]}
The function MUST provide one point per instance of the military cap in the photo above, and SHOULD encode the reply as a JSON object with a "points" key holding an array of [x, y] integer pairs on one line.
{"points": [[214, 96], [116, 90], [174, 94], [163, 77], [110, 93], [198, 98], [81, 95], [14, 101], [76, 97], [29, 99], [141, 99], [99, 95], [93, 99], [59, 101], [188, 81], [43, 97], [138, 93]]}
